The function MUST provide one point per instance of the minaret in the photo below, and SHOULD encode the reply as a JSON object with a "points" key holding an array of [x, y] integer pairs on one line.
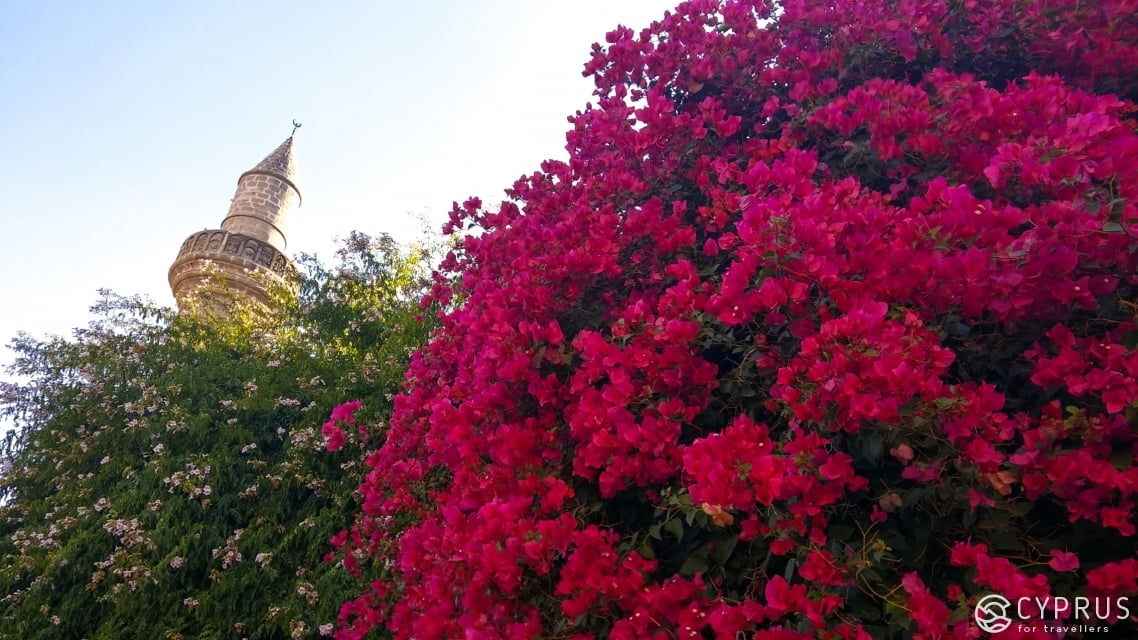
{"points": [[247, 252]]}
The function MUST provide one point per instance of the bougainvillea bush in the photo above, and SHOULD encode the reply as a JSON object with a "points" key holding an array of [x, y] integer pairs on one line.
{"points": [[826, 328], [168, 476]]}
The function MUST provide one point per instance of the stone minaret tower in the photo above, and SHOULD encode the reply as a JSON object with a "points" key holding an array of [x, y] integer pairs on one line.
{"points": [[247, 252]]}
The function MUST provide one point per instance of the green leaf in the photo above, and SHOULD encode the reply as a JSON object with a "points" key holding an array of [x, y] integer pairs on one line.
{"points": [[871, 575], [692, 565], [840, 532], [1006, 541], [645, 550], [871, 447], [723, 549], [788, 575], [1122, 460], [1023, 507], [866, 609]]}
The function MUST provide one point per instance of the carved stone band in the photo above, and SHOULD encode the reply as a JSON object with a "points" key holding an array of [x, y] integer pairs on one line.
{"points": [[215, 243]]}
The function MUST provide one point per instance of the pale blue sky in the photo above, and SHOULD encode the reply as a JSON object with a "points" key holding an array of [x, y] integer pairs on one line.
{"points": [[124, 125]]}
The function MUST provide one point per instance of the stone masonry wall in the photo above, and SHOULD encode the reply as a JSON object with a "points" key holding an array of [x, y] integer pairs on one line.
{"points": [[260, 208]]}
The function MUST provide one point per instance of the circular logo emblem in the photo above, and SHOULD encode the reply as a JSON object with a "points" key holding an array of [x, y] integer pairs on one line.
{"points": [[991, 613]]}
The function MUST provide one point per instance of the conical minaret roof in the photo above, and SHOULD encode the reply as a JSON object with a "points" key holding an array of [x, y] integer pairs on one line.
{"points": [[280, 163]]}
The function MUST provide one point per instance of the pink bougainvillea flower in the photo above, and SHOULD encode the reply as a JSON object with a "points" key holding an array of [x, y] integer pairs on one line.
{"points": [[785, 236]]}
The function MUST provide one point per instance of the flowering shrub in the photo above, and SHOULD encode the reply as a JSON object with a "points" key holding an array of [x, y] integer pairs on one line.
{"points": [[169, 478], [824, 329]]}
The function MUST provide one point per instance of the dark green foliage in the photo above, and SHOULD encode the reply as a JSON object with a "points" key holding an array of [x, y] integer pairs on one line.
{"points": [[168, 478]]}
